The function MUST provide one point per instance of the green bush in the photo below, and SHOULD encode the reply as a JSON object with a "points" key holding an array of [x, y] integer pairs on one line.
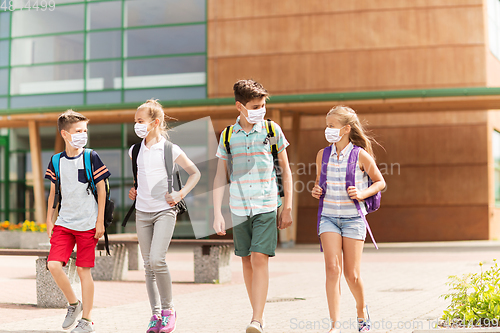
{"points": [[475, 298]]}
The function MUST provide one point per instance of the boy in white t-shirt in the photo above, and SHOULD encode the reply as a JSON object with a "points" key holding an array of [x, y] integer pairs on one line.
{"points": [[80, 219]]}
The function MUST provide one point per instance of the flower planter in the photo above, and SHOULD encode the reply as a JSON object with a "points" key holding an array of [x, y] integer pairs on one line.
{"points": [[22, 240], [10, 239]]}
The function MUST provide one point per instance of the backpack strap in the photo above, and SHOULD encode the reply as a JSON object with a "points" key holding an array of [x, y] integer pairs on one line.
{"points": [[135, 153], [89, 174], [57, 196], [350, 180], [273, 141], [172, 169], [226, 135], [322, 183], [169, 164]]}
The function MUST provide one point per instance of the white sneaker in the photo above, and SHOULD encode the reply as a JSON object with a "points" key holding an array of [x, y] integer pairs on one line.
{"points": [[73, 313], [83, 326], [254, 327]]}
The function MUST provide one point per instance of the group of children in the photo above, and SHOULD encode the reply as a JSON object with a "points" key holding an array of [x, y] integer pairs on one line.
{"points": [[252, 155]]}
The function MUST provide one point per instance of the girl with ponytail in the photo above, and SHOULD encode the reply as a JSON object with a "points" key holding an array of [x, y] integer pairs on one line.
{"points": [[156, 210], [341, 229]]}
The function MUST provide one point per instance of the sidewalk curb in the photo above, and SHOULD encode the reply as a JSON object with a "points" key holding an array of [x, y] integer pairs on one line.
{"points": [[461, 330]]}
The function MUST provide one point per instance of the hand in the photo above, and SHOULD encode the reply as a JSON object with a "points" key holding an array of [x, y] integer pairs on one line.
{"points": [[132, 194], [173, 198], [317, 191], [355, 194], [219, 225], [50, 227], [99, 229], [285, 219]]}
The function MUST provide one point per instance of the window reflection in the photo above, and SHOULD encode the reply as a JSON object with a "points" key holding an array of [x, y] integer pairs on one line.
{"points": [[155, 12], [28, 51], [63, 19], [47, 79]]}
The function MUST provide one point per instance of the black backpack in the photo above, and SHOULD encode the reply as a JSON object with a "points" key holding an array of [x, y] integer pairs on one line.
{"points": [[169, 166]]}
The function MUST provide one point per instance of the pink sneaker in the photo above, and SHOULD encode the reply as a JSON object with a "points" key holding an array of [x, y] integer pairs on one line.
{"points": [[168, 319], [154, 325]]}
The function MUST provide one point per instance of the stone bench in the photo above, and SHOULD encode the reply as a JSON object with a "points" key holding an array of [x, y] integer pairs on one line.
{"points": [[211, 256], [48, 294], [113, 267]]}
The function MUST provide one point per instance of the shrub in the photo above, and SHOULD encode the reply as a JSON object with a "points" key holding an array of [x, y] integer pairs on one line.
{"points": [[475, 298]]}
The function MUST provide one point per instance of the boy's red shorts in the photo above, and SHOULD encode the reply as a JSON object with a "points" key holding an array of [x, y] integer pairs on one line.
{"points": [[63, 241]]}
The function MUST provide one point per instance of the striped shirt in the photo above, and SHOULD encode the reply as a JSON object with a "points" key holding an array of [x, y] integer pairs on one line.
{"points": [[337, 202], [253, 188]]}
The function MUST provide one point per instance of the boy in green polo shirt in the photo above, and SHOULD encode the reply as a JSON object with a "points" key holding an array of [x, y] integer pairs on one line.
{"points": [[254, 195]]}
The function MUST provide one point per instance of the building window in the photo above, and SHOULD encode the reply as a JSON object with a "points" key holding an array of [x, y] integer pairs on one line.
{"points": [[494, 26], [123, 50], [496, 163]]}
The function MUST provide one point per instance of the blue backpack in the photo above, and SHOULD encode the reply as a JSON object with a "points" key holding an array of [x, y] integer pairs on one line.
{"points": [[372, 203], [89, 175]]}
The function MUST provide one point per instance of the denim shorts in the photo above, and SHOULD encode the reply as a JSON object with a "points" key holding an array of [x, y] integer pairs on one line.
{"points": [[350, 227]]}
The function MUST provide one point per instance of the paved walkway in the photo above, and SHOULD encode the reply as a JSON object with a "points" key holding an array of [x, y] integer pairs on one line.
{"points": [[403, 283]]}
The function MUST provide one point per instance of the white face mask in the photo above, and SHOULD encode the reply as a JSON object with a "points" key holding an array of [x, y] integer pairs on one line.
{"points": [[255, 116], [332, 135], [141, 130], [78, 140]]}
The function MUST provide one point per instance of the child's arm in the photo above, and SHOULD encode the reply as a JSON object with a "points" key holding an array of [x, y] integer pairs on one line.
{"points": [[50, 210], [285, 219], [370, 167], [317, 190], [194, 177], [101, 204], [219, 182]]}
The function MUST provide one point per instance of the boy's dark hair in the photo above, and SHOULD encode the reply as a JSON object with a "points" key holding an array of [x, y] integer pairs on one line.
{"points": [[246, 90], [69, 118]]}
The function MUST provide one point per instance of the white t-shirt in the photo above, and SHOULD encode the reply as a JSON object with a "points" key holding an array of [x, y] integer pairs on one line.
{"points": [[152, 176], [78, 206]]}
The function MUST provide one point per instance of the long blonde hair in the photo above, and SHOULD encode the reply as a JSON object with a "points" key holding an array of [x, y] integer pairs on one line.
{"points": [[358, 136], [155, 111]]}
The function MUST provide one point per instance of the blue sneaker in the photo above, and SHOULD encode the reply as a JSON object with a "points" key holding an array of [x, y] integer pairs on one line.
{"points": [[365, 325]]}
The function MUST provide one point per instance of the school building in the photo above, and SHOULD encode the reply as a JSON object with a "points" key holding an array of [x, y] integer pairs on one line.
{"points": [[423, 74]]}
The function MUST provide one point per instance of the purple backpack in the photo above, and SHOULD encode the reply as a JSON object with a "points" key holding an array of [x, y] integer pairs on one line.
{"points": [[372, 203]]}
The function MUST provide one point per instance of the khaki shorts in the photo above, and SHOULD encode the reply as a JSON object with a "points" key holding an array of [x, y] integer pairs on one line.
{"points": [[258, 233]]}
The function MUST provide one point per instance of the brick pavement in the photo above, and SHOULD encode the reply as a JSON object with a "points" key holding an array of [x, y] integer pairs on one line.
{"points": [[402, 284]]}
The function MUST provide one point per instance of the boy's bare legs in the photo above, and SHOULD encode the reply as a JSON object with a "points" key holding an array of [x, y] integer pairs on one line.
{"points": [[256, 276], [353, 249], [260, 283], [87, 290], [332, 249], [62, 281], [247, 275]]}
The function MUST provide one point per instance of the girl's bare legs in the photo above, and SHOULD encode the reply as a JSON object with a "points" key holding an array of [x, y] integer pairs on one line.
{"points": [[332, 249], [353, 249]]}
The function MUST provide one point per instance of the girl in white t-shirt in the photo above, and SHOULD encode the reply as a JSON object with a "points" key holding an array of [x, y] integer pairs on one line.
{"points": [[155, 209]]}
